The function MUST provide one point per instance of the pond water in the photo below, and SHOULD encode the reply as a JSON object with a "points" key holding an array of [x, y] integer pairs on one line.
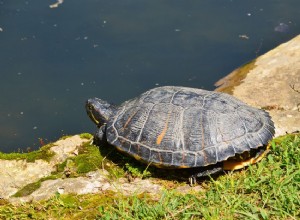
{"points": [[53, 59]]}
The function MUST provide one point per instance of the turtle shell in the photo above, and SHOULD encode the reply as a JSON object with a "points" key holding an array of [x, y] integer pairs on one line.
{"points": [[185, 127]]}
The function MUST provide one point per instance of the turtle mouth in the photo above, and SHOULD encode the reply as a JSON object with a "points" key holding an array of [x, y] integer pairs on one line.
{"points": [[90, 111], [91, 115]]}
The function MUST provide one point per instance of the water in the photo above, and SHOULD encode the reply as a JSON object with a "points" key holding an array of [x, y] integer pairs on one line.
{"points": [[53, 59]]}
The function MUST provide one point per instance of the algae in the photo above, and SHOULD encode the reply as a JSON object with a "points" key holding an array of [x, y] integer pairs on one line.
{"points": [[235, 78]]}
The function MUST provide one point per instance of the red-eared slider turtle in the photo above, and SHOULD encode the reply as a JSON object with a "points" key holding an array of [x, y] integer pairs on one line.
{"points": [[178, 127]]}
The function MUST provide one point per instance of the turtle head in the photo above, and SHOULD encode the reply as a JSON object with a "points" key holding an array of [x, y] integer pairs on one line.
{"points": [[99, 110]]}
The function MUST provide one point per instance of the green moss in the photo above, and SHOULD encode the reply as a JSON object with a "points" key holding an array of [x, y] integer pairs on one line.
{"points": [[31, 187], [235, 78], [86, 136], [28, 189], [44, 153], [64, 137], [53, 176], [88, 158], [61, 166]]}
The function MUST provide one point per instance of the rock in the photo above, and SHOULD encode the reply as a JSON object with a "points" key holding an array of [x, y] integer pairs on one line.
{"points": [[268, 83], [66, 148], [93, 182], [15, 174]]}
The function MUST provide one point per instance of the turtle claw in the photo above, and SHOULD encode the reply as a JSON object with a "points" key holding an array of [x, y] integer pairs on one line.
{"points": [[192, 181]]}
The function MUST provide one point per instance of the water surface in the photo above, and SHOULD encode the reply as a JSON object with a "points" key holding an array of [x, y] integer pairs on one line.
{"points": [[53, 59]]}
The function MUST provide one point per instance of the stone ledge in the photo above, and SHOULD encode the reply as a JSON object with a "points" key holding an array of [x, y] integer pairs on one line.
{"points": [[267, 84]]}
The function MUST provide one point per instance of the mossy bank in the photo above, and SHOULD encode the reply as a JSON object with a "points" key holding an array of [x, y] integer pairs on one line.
{"points": [[267, 190]]}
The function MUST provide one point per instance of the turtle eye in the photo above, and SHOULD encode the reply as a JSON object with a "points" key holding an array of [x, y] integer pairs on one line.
{"points": [[91, 107]]}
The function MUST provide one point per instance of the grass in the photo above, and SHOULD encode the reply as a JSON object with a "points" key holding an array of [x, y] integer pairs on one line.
{"points": [[267, 190]]}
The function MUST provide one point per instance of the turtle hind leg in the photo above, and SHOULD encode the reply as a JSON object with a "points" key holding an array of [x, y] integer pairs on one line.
{"points": [[205, 172]]}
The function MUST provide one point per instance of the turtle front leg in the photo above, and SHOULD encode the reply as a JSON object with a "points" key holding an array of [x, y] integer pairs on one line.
{"points": [[100, 136]]}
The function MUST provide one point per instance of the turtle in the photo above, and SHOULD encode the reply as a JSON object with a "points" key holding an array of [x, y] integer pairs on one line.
{"points": [[180, 127]]}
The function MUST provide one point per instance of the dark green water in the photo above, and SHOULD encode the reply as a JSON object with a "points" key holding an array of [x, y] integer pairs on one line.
{"points": [[52, 60]]}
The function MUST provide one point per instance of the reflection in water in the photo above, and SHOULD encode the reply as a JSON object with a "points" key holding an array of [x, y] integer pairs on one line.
{"points": [[282, 27], [53, 59]]}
